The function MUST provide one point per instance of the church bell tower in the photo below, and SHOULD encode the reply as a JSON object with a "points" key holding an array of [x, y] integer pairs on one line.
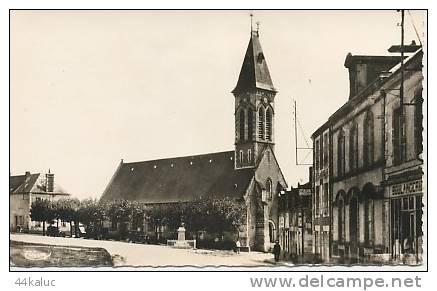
{"points": [[254, 107]]}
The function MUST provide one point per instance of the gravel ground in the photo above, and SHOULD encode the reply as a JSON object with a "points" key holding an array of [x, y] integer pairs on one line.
{"points": [[130, 254]]}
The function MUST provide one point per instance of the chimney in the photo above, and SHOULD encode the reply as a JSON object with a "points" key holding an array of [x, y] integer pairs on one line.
{"points": [[50, 181], [363, 70]]}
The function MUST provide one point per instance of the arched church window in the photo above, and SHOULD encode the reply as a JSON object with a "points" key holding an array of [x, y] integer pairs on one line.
{"points": [[269, 124], [353, 147], [250, 124], [249, 155], [261, 123], [242, 119], [368, 139], [241, 157], [269, 190], [341, 147]]}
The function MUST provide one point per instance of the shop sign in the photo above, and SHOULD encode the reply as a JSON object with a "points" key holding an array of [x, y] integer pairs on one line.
{"points": [[305, 192], [407, 188]]}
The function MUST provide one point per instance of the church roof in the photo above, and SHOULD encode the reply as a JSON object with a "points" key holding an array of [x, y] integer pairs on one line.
{"points": [[254, 71], [179, 179]]}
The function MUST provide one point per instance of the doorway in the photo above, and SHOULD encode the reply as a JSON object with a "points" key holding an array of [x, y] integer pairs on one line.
{"points": [[272, 235], [353, 226]]}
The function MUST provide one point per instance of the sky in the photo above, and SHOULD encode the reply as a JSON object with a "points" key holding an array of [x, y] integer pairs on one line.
{"points": [[89, 88]]}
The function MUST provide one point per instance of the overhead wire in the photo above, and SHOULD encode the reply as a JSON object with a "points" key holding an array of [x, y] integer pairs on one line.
{"points": [[414, 26]]}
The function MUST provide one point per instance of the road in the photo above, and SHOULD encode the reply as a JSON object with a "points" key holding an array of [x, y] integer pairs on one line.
{"points": [[130, 254]]}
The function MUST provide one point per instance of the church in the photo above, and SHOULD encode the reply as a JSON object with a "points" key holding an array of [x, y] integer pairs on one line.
{"points": [[250, 172]]}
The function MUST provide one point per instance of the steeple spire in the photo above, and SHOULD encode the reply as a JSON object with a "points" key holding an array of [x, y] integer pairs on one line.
{"points": [[254, 106], [254, 72]]}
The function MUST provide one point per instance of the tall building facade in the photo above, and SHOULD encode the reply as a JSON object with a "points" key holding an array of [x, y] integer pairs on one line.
{"points": [[403, 173], [295, 222], [370, 174], [322, 215]]}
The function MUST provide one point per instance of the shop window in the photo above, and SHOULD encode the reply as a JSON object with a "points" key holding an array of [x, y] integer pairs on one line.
{"points": [[419, 212], [406, 217]]}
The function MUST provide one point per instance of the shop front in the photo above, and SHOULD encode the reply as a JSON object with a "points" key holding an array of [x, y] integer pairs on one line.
{"points": [[406, 220]]}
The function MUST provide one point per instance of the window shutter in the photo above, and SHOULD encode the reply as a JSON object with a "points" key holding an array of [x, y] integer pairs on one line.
{"points": [[418, 122], [395, 137], [403, 137]]}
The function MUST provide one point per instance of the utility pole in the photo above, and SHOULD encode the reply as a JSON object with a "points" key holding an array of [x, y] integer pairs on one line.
{"points": [[297, 148], [401, 93], [295, 129]]}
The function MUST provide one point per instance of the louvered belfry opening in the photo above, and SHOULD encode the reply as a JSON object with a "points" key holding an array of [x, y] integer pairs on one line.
{"points": [[261, 123], [268, 124]]}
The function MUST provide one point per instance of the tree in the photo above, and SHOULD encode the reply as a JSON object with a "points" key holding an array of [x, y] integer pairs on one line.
{"points": [[42, 211], [91, 213], [214, 215], [137, 213], [66, 210], [234, 213], [119, 212]]}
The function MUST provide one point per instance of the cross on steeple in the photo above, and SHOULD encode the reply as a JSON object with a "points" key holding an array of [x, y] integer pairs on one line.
{"points": [[251, 22]]}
